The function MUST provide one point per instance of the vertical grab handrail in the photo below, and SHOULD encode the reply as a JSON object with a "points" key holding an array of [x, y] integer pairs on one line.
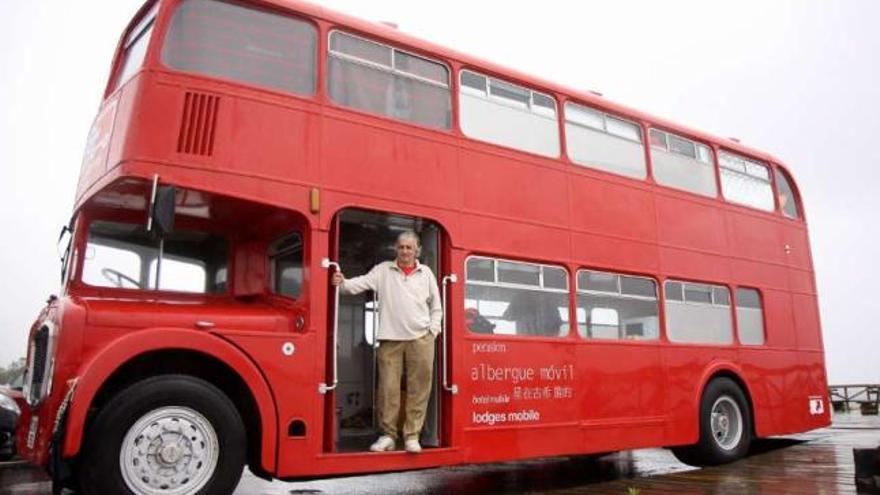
{"points": [[375, 320], [453, 388], [373, 346], [323, 388]]}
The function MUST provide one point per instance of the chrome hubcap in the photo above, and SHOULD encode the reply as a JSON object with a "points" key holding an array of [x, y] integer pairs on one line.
{"points": [[171, 450], [727, 423]]}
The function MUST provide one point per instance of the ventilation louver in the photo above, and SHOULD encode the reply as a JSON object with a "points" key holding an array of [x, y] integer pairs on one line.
{"points": [[198, 124]]}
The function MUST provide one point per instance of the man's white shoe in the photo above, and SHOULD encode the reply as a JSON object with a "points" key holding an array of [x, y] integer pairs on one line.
{"points": [[383, 444], [412, 446]]}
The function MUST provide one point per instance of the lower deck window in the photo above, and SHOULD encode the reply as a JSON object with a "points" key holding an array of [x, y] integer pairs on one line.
{"points": [[749, 316], [286, 257], [613, 306], [698, 313], [516, 298], [124, 255]]}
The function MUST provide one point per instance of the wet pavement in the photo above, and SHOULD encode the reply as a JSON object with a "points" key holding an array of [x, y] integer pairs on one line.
{"points": [[815, 462]]}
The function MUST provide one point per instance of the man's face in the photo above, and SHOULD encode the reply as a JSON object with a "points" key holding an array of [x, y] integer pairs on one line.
{"points": [[406, 251]]}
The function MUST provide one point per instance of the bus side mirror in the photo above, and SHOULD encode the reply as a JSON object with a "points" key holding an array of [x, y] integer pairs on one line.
{"points": [[163, 210]]}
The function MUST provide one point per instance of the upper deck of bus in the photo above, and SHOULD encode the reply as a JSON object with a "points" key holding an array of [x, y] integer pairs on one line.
{"points": [[326, 20]]}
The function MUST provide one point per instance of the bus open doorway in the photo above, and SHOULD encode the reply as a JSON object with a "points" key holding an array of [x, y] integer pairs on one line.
{"points": [[366, 238]]}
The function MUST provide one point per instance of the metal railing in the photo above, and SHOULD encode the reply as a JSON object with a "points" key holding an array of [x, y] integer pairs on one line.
{"points": [[863, 397]]}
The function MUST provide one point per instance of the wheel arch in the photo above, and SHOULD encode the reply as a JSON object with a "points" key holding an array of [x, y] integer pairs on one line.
{"points": [[152, 352], [732, 372]]}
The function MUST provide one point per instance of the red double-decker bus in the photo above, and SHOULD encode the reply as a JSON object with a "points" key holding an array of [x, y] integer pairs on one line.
{"points": [[610, 280]]}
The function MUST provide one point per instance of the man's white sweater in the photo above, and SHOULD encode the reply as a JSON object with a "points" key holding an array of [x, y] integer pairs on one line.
{"points": [[409, 305]]}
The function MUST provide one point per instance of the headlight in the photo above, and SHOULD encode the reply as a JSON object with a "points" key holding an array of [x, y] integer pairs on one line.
{"points": [[7, 403]]}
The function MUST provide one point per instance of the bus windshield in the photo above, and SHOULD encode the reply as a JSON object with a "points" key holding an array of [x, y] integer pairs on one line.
{"points": [[124, 255]]}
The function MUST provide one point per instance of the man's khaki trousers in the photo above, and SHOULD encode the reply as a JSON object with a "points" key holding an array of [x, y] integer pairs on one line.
{"points": [[417, 356]]}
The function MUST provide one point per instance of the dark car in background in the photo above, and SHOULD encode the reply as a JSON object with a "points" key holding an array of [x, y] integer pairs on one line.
{"points": [[9, 413]]}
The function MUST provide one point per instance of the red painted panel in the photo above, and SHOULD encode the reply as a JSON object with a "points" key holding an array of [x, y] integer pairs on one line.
{"points": [[332, 202], [294, 380], [801, 281], [132, 314], [94, 162], [495, 185], [758, 274], [620, 382], [779, 317], [289, 196], [690, 224], [502, 444], [694, 265], [373, 160], [799, 250], [271, 140], [611, 209], [755, 237], [765, 371], [797, 403], [514, 239], [597, 251], [128, 122], [806, 319]]}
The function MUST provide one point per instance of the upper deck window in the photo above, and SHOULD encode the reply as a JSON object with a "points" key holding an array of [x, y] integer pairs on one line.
{"points": [[503, 113], [598, 140], [135, 47], [242, 44], [787, 199], [382, 79], [683, 164], [745, 181], [516, 298]]}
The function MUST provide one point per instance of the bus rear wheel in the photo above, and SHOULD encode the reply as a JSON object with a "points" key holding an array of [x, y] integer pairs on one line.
{"points": [[725, 426], [169, 435]]}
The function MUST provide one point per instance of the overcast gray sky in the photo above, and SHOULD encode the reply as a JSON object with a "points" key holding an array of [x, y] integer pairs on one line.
{"points": [[797, 78]]}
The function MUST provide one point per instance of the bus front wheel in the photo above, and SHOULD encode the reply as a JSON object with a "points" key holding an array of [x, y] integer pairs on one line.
{"points": [[171, 434], [725, 426]]}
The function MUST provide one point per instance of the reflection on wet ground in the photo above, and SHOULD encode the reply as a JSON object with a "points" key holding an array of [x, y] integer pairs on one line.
{"points": [[816, 462]]}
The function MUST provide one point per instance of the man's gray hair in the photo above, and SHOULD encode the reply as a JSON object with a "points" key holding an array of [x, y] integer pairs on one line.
{"points": [[412, 235]]}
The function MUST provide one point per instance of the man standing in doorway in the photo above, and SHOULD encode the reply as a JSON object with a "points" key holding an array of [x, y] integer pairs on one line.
{"points": [[409, 321]]}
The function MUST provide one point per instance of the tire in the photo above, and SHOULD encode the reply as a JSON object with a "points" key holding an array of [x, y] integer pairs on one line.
{"points": [[136, 444], [725, 426], [590, 458]]}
